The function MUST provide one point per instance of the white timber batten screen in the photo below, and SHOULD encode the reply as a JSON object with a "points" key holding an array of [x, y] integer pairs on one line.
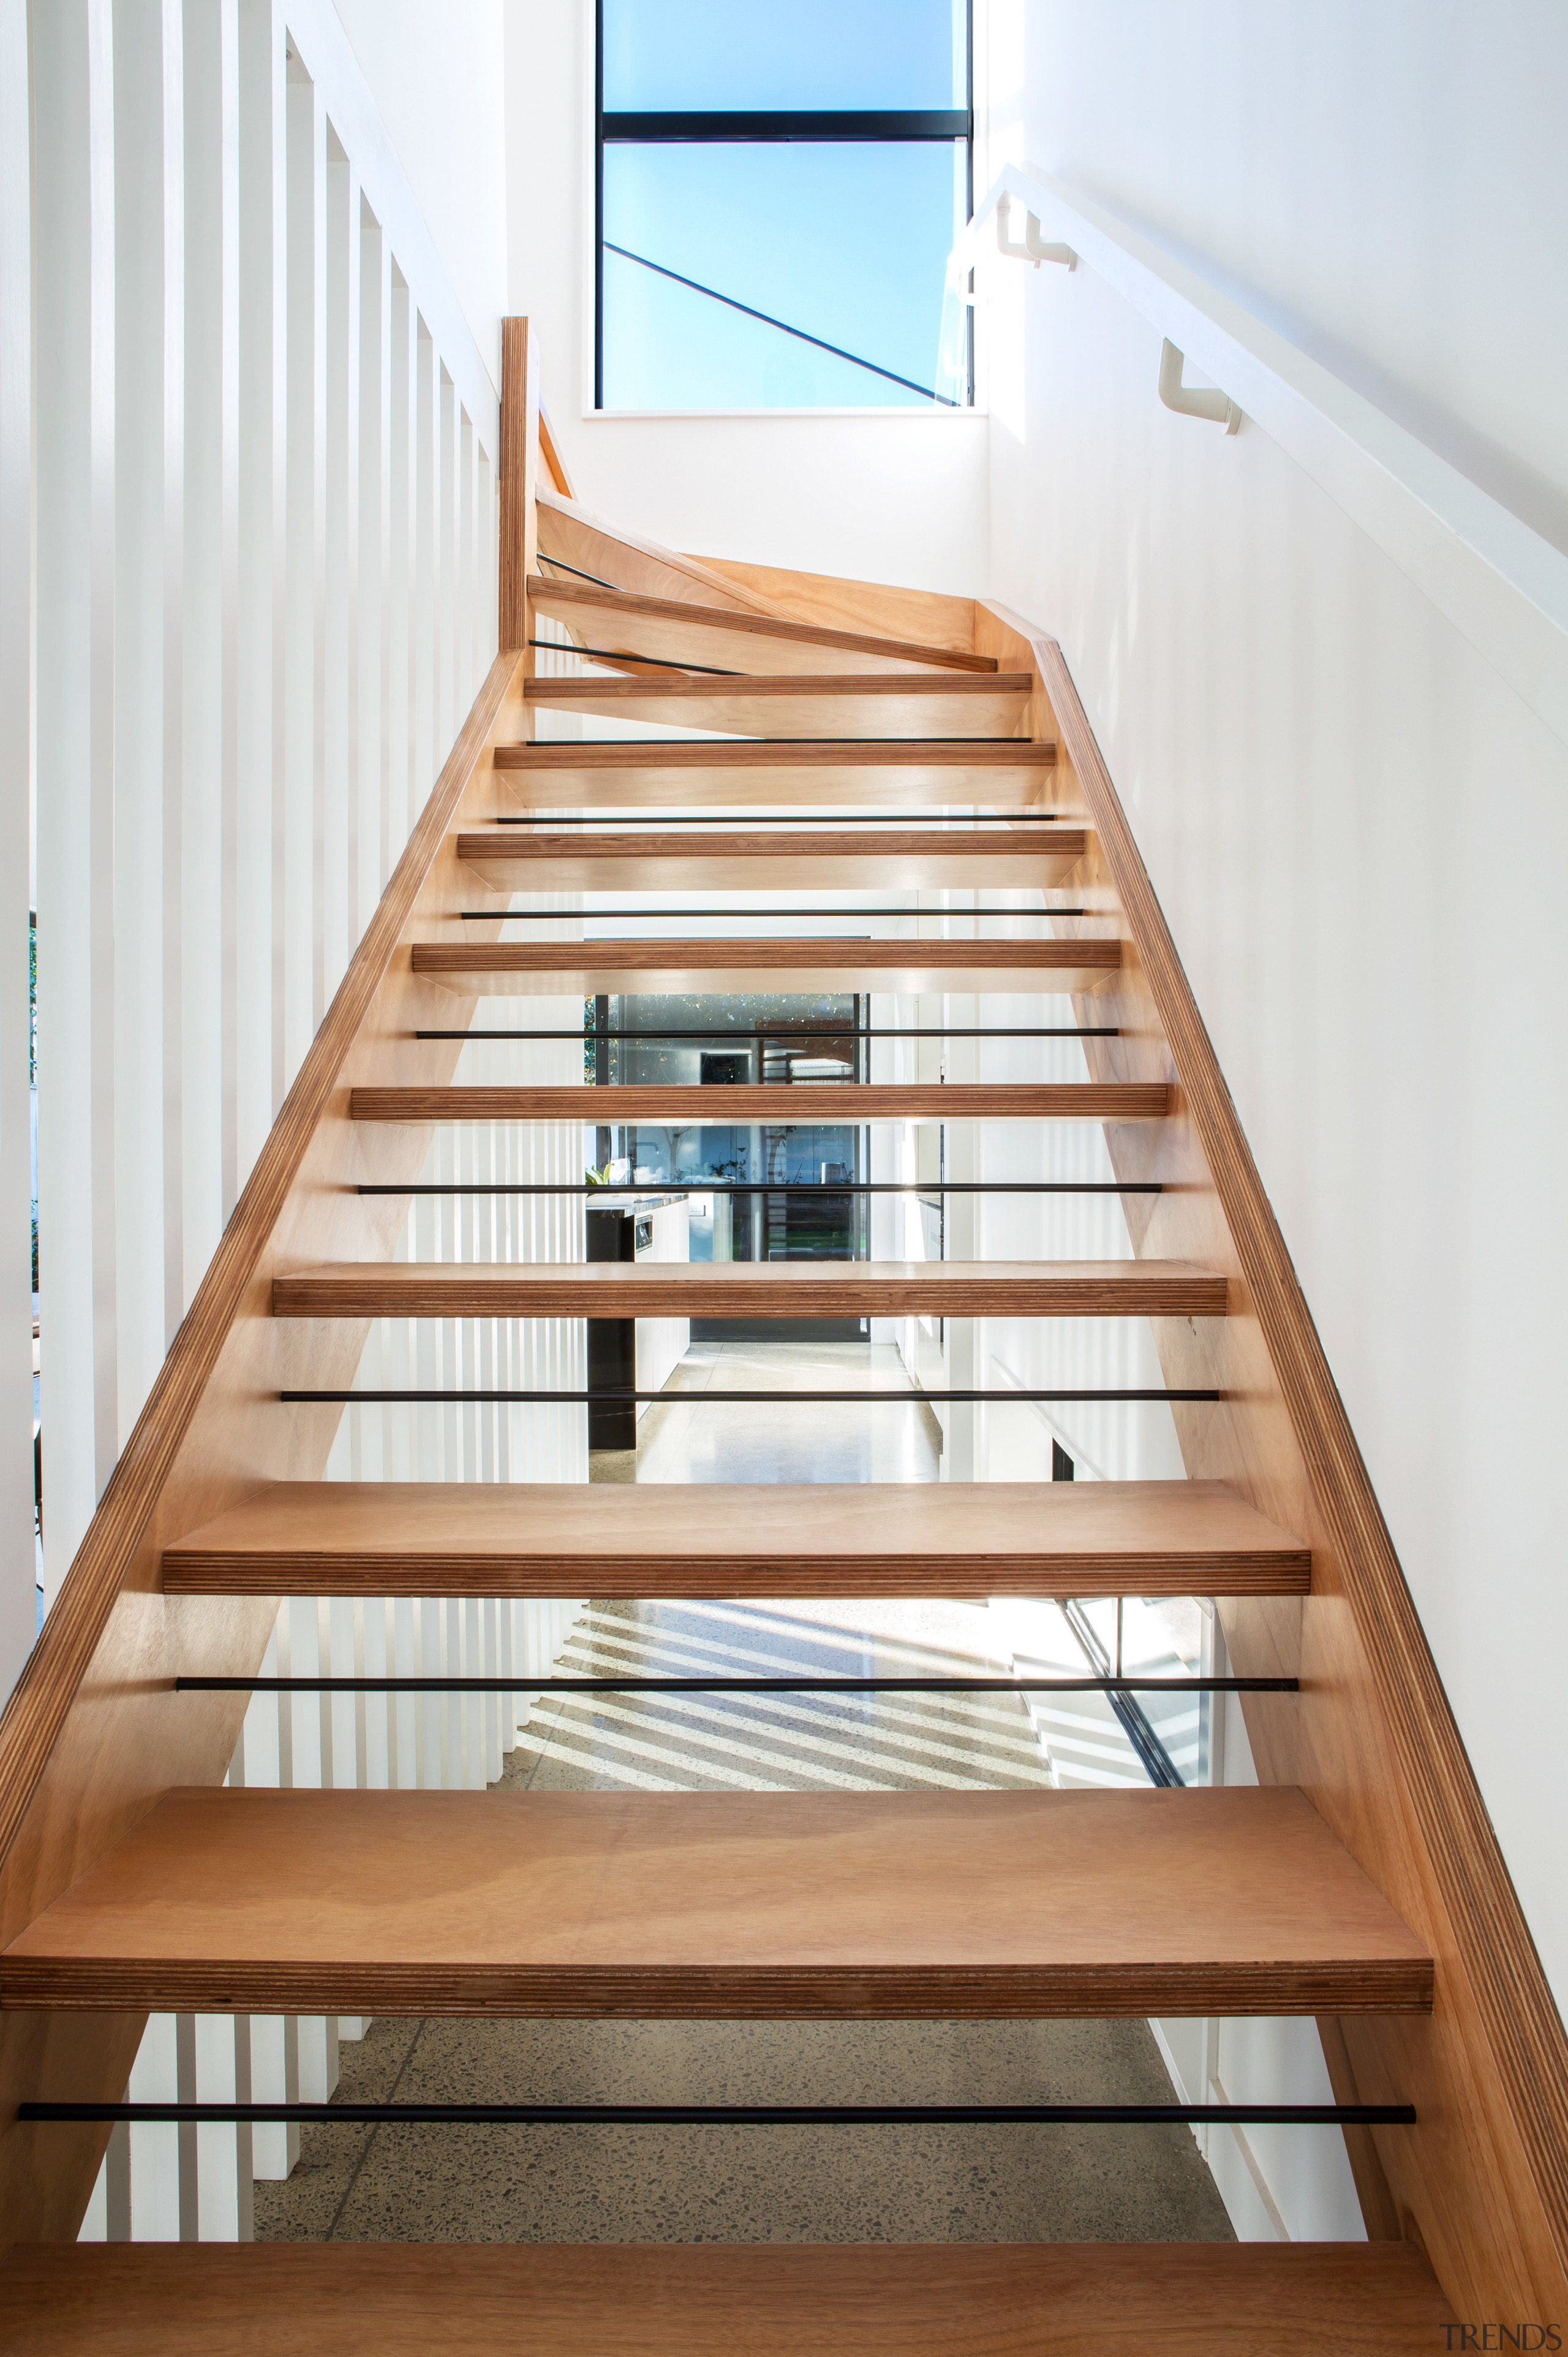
{"points": [[247, 590]]}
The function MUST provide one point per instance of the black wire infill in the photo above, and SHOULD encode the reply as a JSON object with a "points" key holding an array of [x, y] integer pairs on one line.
{"points": [[825, 1188], [750, 1686], [340, 2113], [620, 1395], [792, 1041], [659, 916], [632, 825]]}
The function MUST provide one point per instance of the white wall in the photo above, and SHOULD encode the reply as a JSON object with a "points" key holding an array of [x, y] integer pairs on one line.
{"points": [[435, 74], [1358, 831], [894, 497]]}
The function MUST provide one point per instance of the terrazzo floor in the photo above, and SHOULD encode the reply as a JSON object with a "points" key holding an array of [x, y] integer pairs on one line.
{"points": [[759, 2184]]}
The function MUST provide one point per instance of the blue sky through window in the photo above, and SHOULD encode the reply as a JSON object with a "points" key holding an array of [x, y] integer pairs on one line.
{"points": [[674, 54], [846, 240]]}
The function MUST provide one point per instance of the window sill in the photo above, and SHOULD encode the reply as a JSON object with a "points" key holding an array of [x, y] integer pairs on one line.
{"points": [[641, 417]]}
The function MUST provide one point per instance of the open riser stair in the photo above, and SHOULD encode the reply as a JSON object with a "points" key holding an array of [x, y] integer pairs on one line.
{"points": [[1356, 1882]]}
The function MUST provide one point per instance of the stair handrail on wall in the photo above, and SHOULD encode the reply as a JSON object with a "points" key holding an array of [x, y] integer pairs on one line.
{"points": [[1500, 584]]}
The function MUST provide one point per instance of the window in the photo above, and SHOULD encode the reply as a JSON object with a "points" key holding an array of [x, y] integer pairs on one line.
{"points": [[777, 192]]}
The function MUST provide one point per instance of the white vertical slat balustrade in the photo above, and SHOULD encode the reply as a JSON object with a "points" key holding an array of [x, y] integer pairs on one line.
{"points": [[17, 1608], [248, 579]]}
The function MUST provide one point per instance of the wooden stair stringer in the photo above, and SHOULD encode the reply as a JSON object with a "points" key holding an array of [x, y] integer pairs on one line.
{"points": [[93, 1731], [1481, 2182]]}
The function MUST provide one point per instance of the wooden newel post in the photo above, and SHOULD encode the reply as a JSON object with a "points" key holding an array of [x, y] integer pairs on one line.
{"points": [[519, 482]]}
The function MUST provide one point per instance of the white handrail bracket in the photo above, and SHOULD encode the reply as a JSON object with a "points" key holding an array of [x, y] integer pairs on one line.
{"points": [[1034, 249], [1217, 406]]}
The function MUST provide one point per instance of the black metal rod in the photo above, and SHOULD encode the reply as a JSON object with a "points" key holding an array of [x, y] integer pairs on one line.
{"points": [[622, 655], [576, 571], [737, 1685], [738, 2115], [778, 1187], [632, 828], [563, 915], [755, 1399], [826, 1029]]}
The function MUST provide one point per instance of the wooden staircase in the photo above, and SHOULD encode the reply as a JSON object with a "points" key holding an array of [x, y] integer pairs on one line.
{"points": [[1359, 1882]]}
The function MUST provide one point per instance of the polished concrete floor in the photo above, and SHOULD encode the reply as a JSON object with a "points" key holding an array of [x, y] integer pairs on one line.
{"points": [[760, 2184], [691, 1435]]}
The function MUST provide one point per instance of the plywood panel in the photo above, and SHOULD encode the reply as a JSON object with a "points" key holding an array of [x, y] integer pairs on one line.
{"points": [[892, 859], [818, 705], [678, 774], [810, 1101], [571, 533], [825, 963], [821, 1538], [672, 631], [824, 598], [724, 1904], [976, 2299], [804, 1288]]}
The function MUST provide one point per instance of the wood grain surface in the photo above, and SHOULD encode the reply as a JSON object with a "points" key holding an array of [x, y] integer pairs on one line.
{"points": [[822, 962], [551, 461], [517, 482], [892, 859], [810, 1101], [1483, 2181], [813, 705], [827, 600], [802, 1288], [672, 631], [681, 774], [724, 1904], [573, 534], [823, 1538], [666, 2299]]}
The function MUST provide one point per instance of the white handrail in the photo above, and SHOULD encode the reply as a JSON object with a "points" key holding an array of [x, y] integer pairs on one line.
{"points": [[1501, 585]]}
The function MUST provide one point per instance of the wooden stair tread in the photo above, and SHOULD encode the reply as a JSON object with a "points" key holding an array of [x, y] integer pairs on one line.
{"points": [[707, 1904], [1009, 772], [754, 961], [668, 629], [788, 1100], [798, 858], [814, 1288], [819, 704], [714, 2299], [466, 1538]]}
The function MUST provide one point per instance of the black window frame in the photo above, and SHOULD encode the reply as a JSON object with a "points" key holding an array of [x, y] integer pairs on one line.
{"points": [[812, 125]]}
